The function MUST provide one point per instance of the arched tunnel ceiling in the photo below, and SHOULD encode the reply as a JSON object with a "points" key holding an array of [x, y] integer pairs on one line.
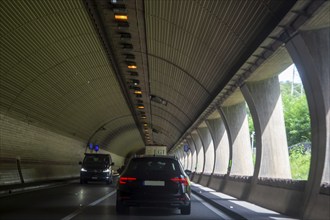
{"points": [[64, 64]]}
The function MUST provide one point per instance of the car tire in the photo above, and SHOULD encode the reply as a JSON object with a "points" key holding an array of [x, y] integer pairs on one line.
{"points": [[121, 208], [185, 210]]}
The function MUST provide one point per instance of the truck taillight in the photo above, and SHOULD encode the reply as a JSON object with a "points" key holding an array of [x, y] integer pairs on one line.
{"points": [[124, 179], [180, 180]]}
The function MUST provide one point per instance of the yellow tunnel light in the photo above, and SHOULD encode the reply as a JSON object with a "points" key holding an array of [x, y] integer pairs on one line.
{"points": [[132, 66], [121, 17], [140, 106], [137, 92]]}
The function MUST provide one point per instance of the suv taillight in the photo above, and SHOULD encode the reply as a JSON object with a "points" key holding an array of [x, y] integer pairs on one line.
{"points": [[124, 179], [180, 180]]}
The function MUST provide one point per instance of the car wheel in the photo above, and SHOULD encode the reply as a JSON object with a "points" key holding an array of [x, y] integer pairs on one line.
{"points": [[185, 210], [121, 208]]}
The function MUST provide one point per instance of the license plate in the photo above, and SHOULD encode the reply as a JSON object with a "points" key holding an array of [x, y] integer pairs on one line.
{"points": [[154, 183]]}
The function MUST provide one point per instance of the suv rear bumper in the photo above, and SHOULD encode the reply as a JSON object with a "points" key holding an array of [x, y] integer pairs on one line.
{"points": [[145, 201], [93, 176]]}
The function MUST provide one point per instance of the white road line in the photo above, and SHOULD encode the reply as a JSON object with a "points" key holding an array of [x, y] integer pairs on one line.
{"points": [[78, 211], [216, 211]]}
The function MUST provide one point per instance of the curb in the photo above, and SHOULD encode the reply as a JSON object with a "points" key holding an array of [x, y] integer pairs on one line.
{"points": [[224, 209]]}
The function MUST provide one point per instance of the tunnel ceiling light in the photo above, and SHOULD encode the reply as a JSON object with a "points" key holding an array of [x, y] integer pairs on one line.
{"points": [[132, 66], [124, 35], [135, 82], [137, 92], [121, 17], [133, 73], [143, 117], [140, 106], [129, 56], [116, 1], [122, 24], [158, 99], [119, 8], [126, 46], [145, 125]]}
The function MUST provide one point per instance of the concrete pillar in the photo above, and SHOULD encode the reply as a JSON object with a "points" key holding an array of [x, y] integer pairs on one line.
{"points": [[182, 155], [193, 153], [239, 133], [207, 142], [200, 152], [221, 143], [188, 153], [189, 156], [310, 53], [265, 102]]}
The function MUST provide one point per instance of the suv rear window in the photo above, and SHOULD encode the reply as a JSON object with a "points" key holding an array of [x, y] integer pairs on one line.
{"points": [[96, 159], [138, 165]]}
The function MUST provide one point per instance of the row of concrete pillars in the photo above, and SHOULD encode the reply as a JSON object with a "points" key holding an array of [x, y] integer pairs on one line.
{"points": [[221, 144]]}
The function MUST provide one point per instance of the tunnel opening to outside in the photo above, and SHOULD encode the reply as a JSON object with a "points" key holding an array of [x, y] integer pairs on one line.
{"points": [[297, 122]]}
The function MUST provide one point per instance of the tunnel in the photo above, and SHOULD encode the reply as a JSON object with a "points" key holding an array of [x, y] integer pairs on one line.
{"points": [[200, 77]]}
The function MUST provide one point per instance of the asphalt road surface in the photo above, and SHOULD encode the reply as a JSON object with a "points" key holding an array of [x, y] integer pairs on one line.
{"points": [[94, 201]]}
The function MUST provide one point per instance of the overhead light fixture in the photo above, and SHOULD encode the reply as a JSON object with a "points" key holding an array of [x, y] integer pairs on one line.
{"points": [[122, 24], [133, 73], [126, 46], [121, 17], [119, 8], [129, 56], [158, 99], [137, 92], [143, 117], [145, 125], [135, 82], [140, 106], [132, 66], [124, 35]]}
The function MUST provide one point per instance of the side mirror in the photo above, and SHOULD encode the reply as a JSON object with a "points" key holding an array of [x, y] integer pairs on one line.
{"points": [[188, 172], [80, 163]]}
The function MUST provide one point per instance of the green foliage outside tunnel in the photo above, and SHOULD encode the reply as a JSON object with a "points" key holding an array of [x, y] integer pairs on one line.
{"points": [[298, 128]]}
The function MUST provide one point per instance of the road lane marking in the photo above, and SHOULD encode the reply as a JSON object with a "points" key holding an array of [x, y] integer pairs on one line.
{"points": [[78, 211], [216, 211]]}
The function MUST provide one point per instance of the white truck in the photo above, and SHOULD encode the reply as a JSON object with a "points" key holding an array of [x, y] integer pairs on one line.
{"points": [[156, 150]]}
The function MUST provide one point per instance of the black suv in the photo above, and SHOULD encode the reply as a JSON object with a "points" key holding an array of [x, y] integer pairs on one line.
{"points": [[153, 181], [96, 167]]}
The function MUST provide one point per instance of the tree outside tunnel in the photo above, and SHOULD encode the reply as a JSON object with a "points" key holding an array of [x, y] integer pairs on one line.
{"points": [[297, 123]]}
